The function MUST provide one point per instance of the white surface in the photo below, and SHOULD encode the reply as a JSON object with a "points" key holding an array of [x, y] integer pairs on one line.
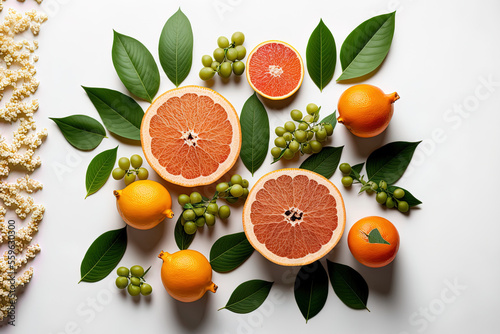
{"points": [[440, 57]]}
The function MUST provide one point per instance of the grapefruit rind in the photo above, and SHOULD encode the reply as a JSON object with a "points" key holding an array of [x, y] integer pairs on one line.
{"points": [[235, 144], [325, 249], [264, 94]]}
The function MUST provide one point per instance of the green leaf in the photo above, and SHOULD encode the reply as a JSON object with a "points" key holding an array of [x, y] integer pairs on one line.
{"points": [[376, 238], [99, 170], [103, 255], [348, 285], [120, 113], [390, 161], [182, 239], [325, 162], [176, 47], [408, 197], [229, 252], [331, 119], [248, 296], [254, 133], [367, 46], [81, 131], [356, 170], [135, 66], [321, 55], [311, 289]]}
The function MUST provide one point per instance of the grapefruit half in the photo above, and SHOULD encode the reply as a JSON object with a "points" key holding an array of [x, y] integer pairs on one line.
{"points": [[294, 217], [275, 70], [191, 136]]}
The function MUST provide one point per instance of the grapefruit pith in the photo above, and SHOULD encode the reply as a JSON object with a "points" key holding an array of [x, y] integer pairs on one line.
{"points": [[275, 70], [294, 216], [191, 136]]}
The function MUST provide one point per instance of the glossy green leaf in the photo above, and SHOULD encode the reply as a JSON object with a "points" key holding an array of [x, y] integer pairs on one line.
{"points": [[176, 47], [390, 161], [248, 296], [321, 55], [325, 162], [311, 289], [374, 237], [254, 133], [348, 285], [182, 239], [103, 255], [135, 66], [408, 197], [81, 131], [120, 114], [331, 119], [229, 252], [99, 170], [367, 46]]}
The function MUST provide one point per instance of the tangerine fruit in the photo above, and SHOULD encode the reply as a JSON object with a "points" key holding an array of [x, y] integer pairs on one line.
{"points": [[294, 216], [275, 70], [373, 241], [186, 275], [365, 110], [144, 204], [191, 136]]}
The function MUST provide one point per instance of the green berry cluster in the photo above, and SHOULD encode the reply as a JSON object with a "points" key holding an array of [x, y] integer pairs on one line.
{"points": [[124, 171], [199, 210], [227, 58], [385, 197], [307, 136], [133, 280]]}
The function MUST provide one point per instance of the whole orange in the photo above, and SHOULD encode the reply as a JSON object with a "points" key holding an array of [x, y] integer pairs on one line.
{"points": [[373, 241], [365, 110], [186, 275], [144, 204]]}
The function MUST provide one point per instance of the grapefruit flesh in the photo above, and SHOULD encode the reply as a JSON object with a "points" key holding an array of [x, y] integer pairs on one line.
{"points": [[191, 136], [275, 70], [294, 217]]}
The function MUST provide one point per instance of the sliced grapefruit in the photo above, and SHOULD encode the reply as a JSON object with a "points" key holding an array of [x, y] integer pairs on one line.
{"points": [[191, 136], [294, 217], [275, 70]]}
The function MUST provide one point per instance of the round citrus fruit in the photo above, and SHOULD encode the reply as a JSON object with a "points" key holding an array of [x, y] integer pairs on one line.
{"points": [[294, 216], [144, 204], [186, 275], [275, 70], [373, 241], [365, 110], [191, 136]]}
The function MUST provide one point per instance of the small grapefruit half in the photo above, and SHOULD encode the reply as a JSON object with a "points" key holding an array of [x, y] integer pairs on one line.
{"points": [[191, 136], [294, 216], [275, 70]]}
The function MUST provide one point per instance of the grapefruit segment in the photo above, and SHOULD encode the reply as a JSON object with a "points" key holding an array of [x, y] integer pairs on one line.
{"points": [[294, 217], [191, 136], [275, 70]]}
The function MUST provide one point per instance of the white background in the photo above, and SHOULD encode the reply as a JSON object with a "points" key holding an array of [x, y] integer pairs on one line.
{"points": [[441, 56]]}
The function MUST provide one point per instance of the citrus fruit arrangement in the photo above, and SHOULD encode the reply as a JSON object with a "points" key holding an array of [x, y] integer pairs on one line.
{"points": [[365, 110], [191, 136], [186, 275], [294, 217], [275, 70]]}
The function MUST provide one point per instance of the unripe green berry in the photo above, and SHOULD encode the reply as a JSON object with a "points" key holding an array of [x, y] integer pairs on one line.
{"points": [[381, 197], [345, 168], [347, 181]]}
